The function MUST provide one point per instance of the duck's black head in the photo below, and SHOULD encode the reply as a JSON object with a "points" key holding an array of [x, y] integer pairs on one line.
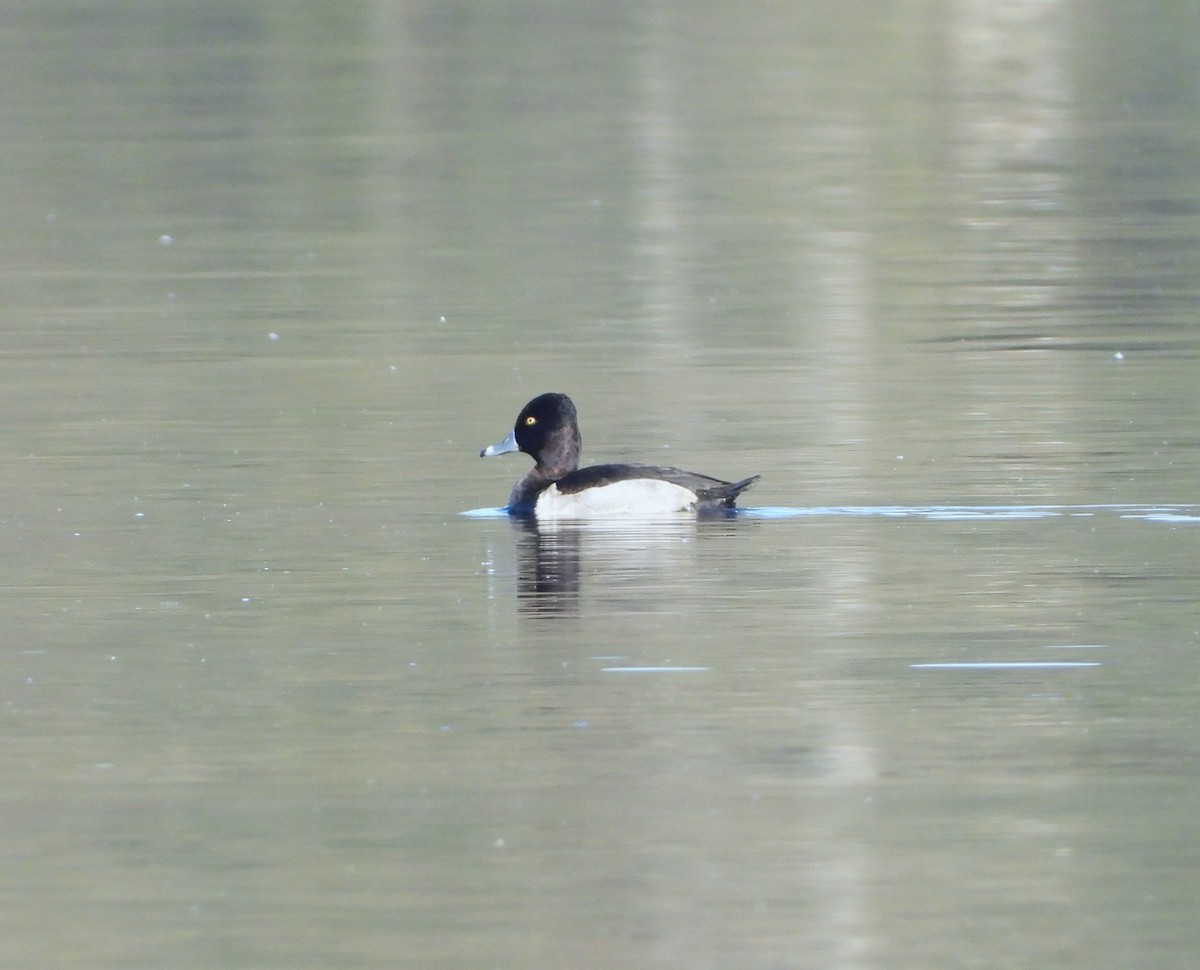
{"points": [[548, 431]]}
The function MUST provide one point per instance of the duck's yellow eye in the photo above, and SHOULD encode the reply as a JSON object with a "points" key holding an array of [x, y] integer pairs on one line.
{"points": [[530, 421]]}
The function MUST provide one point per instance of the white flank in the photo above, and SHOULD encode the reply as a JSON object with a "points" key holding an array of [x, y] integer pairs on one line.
{"points": [[637, 496]]}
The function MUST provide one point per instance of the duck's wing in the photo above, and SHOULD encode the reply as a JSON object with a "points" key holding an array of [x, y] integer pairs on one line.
{"points": [[710, 492]]}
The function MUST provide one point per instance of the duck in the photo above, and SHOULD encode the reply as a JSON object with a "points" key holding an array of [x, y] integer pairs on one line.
{"points": [[547, 429]]}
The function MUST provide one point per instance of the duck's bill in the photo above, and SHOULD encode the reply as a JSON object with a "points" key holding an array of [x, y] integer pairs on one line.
{"points": [[501, 447]]}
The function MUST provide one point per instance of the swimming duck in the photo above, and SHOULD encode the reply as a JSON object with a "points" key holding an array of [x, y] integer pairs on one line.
{"points": [[547, 430]]}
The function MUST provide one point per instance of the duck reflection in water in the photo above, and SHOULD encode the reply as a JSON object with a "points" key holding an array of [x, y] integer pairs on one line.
{"points": [[558, 560], [547, 568]]}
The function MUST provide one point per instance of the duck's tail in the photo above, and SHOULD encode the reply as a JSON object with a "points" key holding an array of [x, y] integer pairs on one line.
{"points": [[725, 495]]}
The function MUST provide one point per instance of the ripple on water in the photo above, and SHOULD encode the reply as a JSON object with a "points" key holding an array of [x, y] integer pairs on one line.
{"points": [[1174, 514]]}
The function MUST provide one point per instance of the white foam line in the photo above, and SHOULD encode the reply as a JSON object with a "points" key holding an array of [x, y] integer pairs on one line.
{"points": [[653, 670], [1171, 513], [1009, 665]]}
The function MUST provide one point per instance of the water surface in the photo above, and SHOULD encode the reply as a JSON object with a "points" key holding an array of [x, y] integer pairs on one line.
{"points": [[274, 273]]}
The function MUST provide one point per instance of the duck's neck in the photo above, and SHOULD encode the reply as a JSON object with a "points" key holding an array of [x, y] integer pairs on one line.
{"points": [[524, 494], [566, 443]]}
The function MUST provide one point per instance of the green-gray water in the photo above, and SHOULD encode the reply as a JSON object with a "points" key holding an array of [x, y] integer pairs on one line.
{"points": [[273, 274]]}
